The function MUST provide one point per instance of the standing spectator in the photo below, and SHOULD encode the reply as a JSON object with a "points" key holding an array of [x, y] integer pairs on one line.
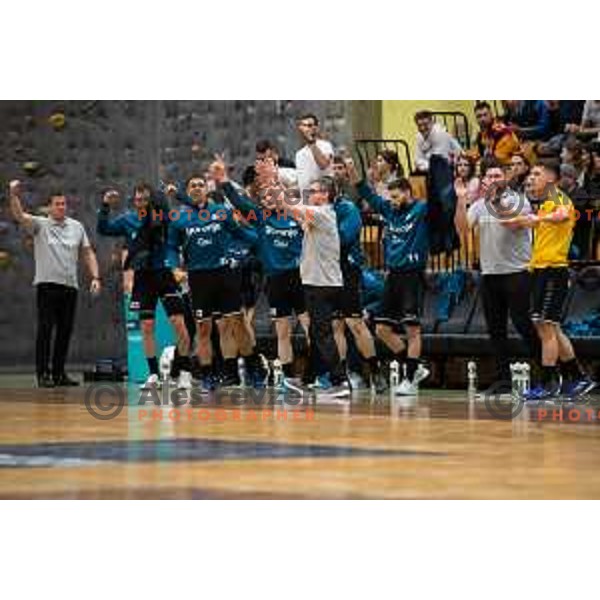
{"points": [[592, 181], [590, 121], [315, 158], [518, 172], [432, 139], [322, 278], [504, 255], [495, 139], [57, 243]]}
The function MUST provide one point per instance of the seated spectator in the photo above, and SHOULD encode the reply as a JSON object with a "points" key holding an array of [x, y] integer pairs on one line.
{"points": [[286, 168], [581, 245], [518, 171], [495, 139], [466, 182], [563, 113], [468, 189], [592, 183], [432, 139], [568, 183], [385, 169], [590, 121], [529, 119], [585, 166]]}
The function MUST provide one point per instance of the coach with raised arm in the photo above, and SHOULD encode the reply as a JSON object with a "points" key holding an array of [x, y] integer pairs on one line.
{"points": [[58, 242]]}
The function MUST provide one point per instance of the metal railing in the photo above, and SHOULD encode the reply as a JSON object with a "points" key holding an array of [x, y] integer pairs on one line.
{"points": [[456, 124], [367, 151]]}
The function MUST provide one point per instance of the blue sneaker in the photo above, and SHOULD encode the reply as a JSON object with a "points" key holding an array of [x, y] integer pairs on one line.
{"points": [[571, 390], [541, 393], [322, 382]]}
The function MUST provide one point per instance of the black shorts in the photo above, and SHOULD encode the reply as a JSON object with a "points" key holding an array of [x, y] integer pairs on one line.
{"points": [[285, 294], [549, 288], [215, 292], [402, 298], [251, 283], [149, 287], [350, 296]]}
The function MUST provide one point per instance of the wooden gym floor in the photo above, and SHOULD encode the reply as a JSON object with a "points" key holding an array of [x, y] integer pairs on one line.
{"points": [[439, 445]]}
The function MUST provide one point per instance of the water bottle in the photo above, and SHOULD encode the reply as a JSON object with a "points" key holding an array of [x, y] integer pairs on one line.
{"points": [[241, 366], [472, 377], [526, 377], [515, 378], [394, 374], [277, 373]]}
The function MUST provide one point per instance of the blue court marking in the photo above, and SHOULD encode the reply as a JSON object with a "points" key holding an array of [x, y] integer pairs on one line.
{"points": [[81, 454]]}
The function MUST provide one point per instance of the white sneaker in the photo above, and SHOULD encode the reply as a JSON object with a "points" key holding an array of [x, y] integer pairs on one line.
{"points": [[421, 373], [152, 383], [185, 381], [407, 388], [338, 391]]}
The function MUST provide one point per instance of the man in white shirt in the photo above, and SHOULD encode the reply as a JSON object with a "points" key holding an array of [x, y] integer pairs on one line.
{"points": [[322, 279], [315, 158], [432, 139], [59, 241]]}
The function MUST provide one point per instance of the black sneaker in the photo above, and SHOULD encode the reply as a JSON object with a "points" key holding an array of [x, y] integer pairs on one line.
{"points": [[45, 381], [64, 381]]}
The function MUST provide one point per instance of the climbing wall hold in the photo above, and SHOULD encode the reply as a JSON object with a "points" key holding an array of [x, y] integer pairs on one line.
{"points": [[57, 120]]}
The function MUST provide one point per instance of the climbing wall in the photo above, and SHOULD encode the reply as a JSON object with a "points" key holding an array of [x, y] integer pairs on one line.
{"points": [[84, 147]]}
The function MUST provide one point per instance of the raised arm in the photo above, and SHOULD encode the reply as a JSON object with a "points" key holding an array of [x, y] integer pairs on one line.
{"points": [[106, 226], [22, 217], [321, 158]]}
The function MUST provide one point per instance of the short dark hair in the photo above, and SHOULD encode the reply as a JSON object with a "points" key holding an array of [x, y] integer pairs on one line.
{"points": [[265, 145], [194, 176], [482, 104], [338, 159], [552, 165], [391, 158], [400, 184], [304, 116], [142, 186], [54, 193], [329, 185], [594, 147], [423, 114], [490, 162]]}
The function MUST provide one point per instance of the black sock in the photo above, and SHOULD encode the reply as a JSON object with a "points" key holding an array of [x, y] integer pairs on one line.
{"points": [[400, 356], [288, 370], [412, 364], [550, 375], [230, 366], [152, 364], [571, 370], [205, 370], [185, 363], [176, 366]]}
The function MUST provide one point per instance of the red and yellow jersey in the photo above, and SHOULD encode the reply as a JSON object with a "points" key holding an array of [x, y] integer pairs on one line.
{"points": [[552, 239]]}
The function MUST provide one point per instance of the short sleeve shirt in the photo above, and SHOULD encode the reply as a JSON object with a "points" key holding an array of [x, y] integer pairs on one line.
{"points": [[56, 246]]}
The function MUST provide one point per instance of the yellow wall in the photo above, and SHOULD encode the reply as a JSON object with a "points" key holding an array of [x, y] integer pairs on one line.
{"points": [[398, 116]]}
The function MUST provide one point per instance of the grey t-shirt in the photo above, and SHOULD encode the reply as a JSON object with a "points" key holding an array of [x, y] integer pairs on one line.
{"points": [[320, 264], [501, 249], [56, 246]]}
